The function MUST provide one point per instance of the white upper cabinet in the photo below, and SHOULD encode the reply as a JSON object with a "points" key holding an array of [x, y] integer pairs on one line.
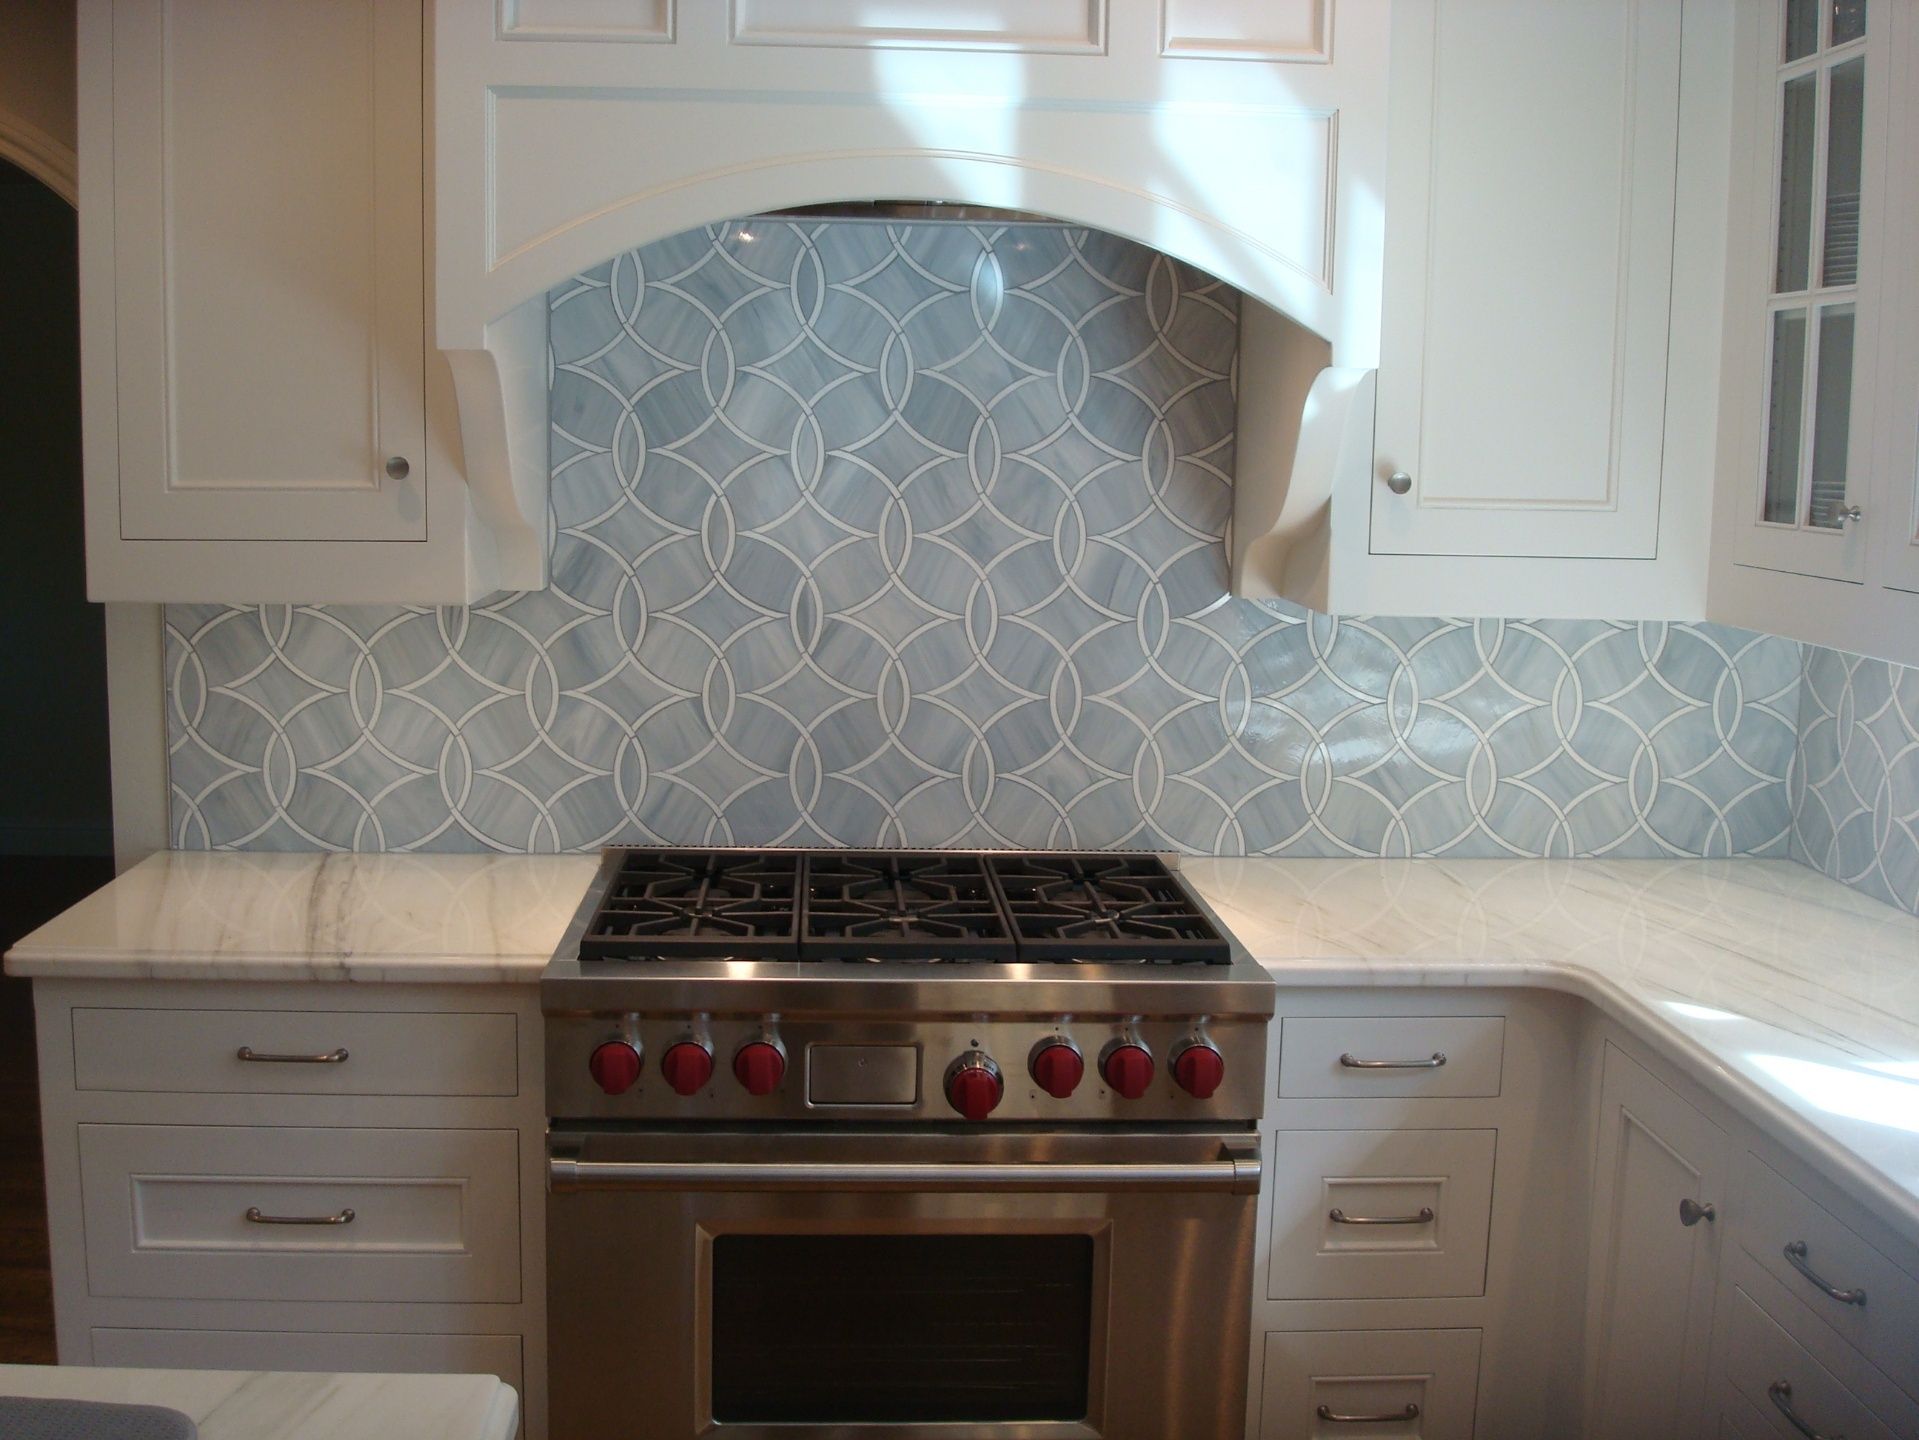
{"points": [[1817, 512], [1522, 379], [259, 405], [1541, 436]]}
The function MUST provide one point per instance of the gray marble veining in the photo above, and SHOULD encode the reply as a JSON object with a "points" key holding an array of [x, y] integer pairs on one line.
{"points": [[914, 536]]}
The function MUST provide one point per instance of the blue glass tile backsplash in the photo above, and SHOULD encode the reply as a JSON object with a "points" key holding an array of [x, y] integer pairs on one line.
{"points": [[914, 536], [1855, 781]]}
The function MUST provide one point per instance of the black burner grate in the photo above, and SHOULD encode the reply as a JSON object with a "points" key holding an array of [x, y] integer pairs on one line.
{"points": [[890, 905], [1104, 909], [919, 906], [710, 903]]}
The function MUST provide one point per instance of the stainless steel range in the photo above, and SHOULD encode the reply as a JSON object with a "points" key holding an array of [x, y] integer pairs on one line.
{"points": [[895, 1144]]}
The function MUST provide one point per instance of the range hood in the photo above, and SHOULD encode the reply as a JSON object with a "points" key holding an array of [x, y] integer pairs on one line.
{"points": [[1232, 137]]}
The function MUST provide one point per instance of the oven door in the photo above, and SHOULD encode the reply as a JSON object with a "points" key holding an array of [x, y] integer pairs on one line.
{"points": [[804, 1285]]}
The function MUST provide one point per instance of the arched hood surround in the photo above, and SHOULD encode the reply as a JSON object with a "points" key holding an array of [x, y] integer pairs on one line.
{"points": [[1247, 139]]}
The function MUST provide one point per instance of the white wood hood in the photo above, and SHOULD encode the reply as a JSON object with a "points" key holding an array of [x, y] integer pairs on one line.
{"points": [[1247, 138]]}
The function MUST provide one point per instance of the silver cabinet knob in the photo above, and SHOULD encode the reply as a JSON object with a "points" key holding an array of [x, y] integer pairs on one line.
{"points": [[397, 468], [1691, 1212], [1399, 482], [1850, 513]]}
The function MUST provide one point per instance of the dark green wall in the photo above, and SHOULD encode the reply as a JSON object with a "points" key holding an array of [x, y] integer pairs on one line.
{"points": [[54, 795]]}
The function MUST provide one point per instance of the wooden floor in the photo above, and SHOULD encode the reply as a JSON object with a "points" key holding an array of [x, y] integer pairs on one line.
{"points": [[32, 889]]}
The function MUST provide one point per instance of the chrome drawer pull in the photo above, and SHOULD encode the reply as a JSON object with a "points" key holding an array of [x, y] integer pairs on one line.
{"points": [[1353, 1062], [332, 1057], [1780, 1393], [1340, 1217], [1326, 1412], [1796, 1256], [345, 1217]]}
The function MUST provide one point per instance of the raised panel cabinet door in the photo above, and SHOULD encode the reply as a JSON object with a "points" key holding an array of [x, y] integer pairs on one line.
{"points": [[268, 269], [1651, 1269], [1529, 241]]}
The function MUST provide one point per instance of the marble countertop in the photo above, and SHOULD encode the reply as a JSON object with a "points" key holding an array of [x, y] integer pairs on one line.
{"points": [[1791, 996], [262, 1405], [190, 915]]}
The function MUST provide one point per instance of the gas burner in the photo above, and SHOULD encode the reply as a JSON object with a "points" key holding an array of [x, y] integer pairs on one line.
{"points": [[902, 906], [1104, 909], [664, 904]]}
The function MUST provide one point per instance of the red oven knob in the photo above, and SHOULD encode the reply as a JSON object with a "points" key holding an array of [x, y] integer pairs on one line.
{"points": [[973, 1085], [1198, 1069], [1058, 1069], [615, 1066], [1128, 1069], [760, 1066], [687, 1066]]}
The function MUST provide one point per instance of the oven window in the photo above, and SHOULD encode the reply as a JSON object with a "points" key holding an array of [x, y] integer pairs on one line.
{"points": [[898, 1329]]}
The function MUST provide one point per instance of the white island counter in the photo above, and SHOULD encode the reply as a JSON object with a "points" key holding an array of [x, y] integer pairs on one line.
{"points": [[263, 1405]]}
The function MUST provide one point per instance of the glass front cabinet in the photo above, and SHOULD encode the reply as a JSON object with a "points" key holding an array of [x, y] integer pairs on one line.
{"points": [[1817, 474]]}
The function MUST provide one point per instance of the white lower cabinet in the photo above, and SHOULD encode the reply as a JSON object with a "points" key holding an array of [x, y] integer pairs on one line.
{"points": [[367, 1196], [1380, 1214], [298, 1213], [1651, 1265], [1775, 1373], [1410, 1383]]}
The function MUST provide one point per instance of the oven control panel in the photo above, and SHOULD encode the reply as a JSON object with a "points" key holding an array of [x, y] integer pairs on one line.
{"points": [[1056, 1068]]}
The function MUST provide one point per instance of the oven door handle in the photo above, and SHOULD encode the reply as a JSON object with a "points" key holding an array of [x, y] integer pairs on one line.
{"points": [[1236, 1172]]}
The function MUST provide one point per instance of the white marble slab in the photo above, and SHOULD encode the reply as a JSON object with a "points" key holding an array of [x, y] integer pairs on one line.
{"points": [[263, 1405], [1791, 996], [184, 915]]}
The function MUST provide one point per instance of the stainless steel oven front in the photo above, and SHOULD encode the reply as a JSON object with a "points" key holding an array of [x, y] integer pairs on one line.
{"points": [[799, 1285]]}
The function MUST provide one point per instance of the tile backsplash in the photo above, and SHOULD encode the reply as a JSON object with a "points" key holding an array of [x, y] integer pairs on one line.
{"points": [[1855, 779], [914, 536]]}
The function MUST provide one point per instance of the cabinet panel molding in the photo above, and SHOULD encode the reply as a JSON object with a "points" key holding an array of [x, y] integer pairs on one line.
{"points": [[1297, 31], [1020, 26], [620, 21]]}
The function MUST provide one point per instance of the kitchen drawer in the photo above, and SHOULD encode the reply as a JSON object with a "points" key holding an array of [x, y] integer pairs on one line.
{"points": [[1316, 1057], [1737, 1420], [1369, 1372], [1393, 1175], [435, 1213], [1759, 1354], [1774, 1214], [198, 1051], [327, 1351]]}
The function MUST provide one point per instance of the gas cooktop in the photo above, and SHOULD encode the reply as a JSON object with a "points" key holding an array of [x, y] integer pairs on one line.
{"points": [[919, 906]]}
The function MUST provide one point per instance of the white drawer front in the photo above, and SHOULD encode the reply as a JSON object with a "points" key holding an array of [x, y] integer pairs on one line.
{"points": [[1737, 1420], [326, 1351], [1881, 1317], [1364, 1058], [1370, 1373], [198, 1051], [1433, 1190], [1759, 1354], [435, 1213]]}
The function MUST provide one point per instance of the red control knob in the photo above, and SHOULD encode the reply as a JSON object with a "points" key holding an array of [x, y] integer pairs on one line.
{"points": [[974, 1087], [1058, 1069], [687, 1066], [615, 1066], [1128, 1069], [760, 1067], [1198, 1069]]}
